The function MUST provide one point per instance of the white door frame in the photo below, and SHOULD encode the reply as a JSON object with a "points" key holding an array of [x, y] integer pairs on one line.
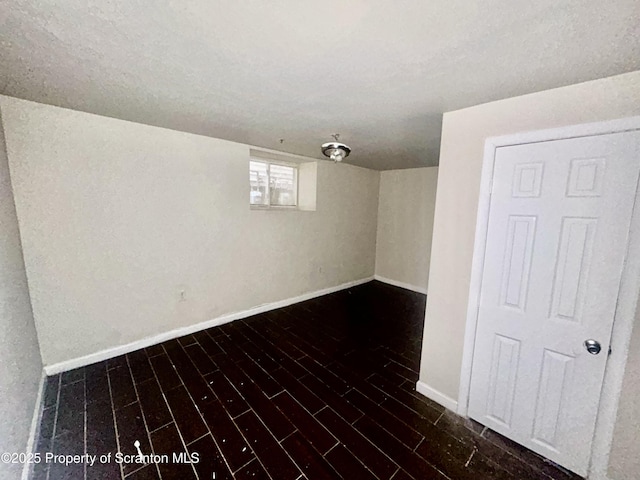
{"points": [[627, 297]]}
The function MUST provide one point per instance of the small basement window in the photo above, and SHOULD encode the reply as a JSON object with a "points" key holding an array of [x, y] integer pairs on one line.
{"points": [[273, 184]]}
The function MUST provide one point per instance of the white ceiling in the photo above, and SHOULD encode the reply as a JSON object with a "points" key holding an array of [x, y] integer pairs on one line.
{"points": [[380, 73]]}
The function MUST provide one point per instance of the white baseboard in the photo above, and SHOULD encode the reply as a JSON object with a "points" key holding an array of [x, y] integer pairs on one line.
{"points": [[437, 396], [396, 283], [35, 424], [179, 332]]}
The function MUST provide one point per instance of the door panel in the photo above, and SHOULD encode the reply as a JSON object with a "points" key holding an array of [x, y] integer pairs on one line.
{"points": [[502, 379], [558, 228], [557, 370], [517, 264], [574, 258]]}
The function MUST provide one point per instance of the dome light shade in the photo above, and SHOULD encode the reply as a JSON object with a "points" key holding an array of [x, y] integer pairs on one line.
{"points": [[336, 151]]}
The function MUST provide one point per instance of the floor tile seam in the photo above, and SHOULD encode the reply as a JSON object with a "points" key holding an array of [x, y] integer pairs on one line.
{"points": [[197, 342], [154, 355], [408, 424], [323, 331], [191, 366], [301, 385], [515, 456], [405, 447], [394, 397], [122, 407], [314, 417], [232, 417], [138, 468], [113, 415], [469, 440], [161, 426], [361, 416], [189, 344], [545, 475], [55, 423], [283, 389], [357, 459], [448, 454], [251, 378], [331, 390], [305, 409], [85, 425], [320, 379], [217, 443], [252, 342], [255, 454], [273, 438], [256, 336], [329, 451], [395, 473], [416, 372], [144, 420], [73, 382], [250, 408], [284, 353], [199, 438], [272, 359], [358, 432], [233, 473], [473, 452], [419, 443], [395, 416], [387, 394], [351, 373], [290, 337], [400, 440], [184, 444], [290, 435]]}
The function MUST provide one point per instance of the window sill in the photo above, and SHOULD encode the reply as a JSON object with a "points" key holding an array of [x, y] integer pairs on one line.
{"points": [[273, 207]]}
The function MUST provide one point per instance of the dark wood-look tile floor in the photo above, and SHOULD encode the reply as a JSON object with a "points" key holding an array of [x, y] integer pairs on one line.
{"points": [[319, 390]]}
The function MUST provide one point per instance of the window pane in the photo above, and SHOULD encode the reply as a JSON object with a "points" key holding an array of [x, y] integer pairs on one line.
{"points": [[282, 185], [259, 181]]}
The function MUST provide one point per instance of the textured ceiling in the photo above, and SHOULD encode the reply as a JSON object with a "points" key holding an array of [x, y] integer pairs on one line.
{"points": [[380, 73]]}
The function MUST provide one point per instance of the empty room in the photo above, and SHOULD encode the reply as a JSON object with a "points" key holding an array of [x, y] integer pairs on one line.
{"points": [[298, 240]]}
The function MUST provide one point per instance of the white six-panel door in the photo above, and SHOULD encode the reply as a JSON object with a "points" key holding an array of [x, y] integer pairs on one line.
{"points": [[557, 236]]}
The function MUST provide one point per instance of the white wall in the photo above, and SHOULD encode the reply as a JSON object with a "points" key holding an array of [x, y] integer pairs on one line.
{"points": [[405, 224], [463, 136], [117, 218], [20, 364]]}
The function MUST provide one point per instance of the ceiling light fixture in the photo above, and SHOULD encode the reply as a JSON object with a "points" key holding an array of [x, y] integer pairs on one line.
{"points": [[336, 151]]}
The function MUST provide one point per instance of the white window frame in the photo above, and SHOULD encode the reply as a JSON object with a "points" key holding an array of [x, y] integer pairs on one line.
{"points": [[268, 163]]}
